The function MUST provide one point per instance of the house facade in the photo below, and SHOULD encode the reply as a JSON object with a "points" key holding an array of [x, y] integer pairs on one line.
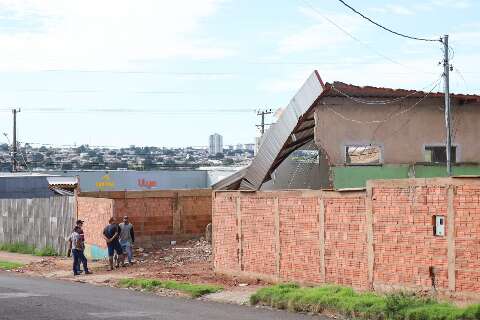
{"points": [[360, 134]]}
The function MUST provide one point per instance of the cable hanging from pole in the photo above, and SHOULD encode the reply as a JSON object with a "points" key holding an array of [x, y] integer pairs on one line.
{"points": [[387, 101], [391, 116], [385, 28]]}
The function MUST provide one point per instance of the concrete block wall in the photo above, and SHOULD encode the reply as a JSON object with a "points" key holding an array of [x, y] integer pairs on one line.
{"points": [[157, 216], [382, 238]]}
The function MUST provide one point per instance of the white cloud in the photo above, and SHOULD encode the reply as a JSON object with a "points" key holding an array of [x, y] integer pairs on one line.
{"points": [[457, 4], [394, 9], [320, 34], [107, 34]]}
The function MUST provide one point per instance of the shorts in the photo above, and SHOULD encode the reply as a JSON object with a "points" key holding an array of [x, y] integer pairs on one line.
{"points": [[114, 246]]}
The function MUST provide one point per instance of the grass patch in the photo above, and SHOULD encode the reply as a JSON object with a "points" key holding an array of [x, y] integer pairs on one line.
{"points": [[7, 265], [366, 305], [194, 290], [28, 249]]}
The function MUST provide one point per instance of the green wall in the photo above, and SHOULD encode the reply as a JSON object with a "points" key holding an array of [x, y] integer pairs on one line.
{"points": [[356, 176]]}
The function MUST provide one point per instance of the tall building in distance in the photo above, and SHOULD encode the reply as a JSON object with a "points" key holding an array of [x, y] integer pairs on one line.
{"points": [[215, 144]]}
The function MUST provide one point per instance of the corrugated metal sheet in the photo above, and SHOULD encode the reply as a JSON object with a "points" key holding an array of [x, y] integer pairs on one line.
{"points": [[293, 129]]}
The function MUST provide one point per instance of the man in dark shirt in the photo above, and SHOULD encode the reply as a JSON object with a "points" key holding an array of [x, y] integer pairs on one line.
{"points": [[111, 234]]}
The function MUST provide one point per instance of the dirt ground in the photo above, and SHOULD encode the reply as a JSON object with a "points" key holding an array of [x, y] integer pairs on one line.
{"points": [[190, 261]]}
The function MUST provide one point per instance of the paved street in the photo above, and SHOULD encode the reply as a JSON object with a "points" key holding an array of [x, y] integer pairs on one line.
{"points": [[23, 298]]}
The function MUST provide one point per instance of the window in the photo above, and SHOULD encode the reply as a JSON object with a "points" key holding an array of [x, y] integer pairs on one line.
{"points": [[362, 155], [438, 154]]}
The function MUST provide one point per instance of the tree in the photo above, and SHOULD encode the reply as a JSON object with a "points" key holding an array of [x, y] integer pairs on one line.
{"points": [[227, 161], [4, 147]]}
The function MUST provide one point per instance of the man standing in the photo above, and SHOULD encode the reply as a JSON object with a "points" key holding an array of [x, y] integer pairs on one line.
{"points": [[111, 234], [79, 248], [81, 253], [77, 252], [127, 238]]}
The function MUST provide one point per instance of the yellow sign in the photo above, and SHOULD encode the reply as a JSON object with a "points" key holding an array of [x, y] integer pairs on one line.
{"points": [[105, 183]]}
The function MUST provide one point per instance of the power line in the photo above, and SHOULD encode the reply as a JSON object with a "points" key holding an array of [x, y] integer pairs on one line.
{"points": [[385, 28], [133, 110], [390, 117], [366, 45], [388, 101]]}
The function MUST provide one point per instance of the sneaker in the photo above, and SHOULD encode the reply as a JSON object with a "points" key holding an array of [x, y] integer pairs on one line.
{"points": [[76, 274], [88, 272]]}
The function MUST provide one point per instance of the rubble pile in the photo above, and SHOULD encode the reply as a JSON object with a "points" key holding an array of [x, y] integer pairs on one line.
{"points": [[177, 255]]}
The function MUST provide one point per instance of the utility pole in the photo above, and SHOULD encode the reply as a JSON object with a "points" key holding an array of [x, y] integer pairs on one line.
{"points": [[263, 124], [14, 147], [446, 75]]}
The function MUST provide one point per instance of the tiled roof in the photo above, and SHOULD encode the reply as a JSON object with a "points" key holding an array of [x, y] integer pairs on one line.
{"points": [[340, 89]]}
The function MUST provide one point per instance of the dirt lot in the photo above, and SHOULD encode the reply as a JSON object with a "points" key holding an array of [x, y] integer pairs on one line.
{"points": [[190, 261]]}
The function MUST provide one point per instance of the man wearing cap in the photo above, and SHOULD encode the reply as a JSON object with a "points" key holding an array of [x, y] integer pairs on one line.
{"points": [[79, 247], [127, 238]]}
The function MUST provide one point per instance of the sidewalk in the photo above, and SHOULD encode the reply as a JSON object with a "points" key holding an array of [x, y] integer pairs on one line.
{"points": [[19, 257]]}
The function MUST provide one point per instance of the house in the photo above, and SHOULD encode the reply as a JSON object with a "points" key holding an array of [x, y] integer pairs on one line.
{"points": [[362, 133]]}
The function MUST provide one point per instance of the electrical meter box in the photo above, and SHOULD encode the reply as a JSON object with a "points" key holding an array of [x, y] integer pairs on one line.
{"points": [[440, 226]]}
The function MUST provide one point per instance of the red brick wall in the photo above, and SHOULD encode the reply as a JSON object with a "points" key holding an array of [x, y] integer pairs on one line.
{"points": [[224, 235], [152, 218], [258, 235], [95, 212], [156, 215], [401, 251], [346, 242], [405, 246], [467, 238], [196, 213], [299, 239]]}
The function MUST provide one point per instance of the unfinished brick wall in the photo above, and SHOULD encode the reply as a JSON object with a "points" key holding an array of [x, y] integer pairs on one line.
{"points": [[379, 239], [299, 239], [225, 242], [405, 246], [156, 215], [95, 212], [346, 241], [467, 238], [257, 235], [281, 235], [152, 218], [196, 213]]}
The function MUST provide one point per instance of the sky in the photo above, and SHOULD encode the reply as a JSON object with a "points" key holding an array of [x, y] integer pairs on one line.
{"points": [[170, 73]]}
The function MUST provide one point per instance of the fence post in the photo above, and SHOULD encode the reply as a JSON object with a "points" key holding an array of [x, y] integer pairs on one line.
{"points": [[239, 232], [369, 229], [321, 237], [277, 237], [451, 237]]}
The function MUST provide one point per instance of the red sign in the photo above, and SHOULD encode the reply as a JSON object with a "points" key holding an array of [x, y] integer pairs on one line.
{"points": [[147, 183]]}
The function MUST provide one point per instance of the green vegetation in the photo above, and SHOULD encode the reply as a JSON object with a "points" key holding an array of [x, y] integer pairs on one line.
{"points": [[27, 249], [194, 290], [7, 265], [347, 302]]}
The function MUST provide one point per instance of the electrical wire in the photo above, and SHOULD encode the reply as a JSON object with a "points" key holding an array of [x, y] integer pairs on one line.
{"points": [[132, 110], [366, 45], [390, 117], [385, 28], [389, 101]]}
